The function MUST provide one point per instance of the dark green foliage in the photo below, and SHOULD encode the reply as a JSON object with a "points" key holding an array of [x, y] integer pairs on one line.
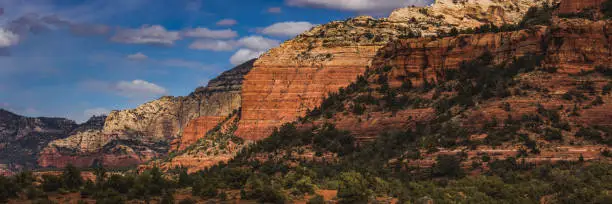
{"points": [[167, 198], [205, 188], [606, 71], [606, 8], [8, 189], [358, 109], [607, 89], [51, 183], [537, 16], [317, 199], [552, 134], [261, 188], [354, 188], [448, 166], [589, 134], [598, 101], [72, 177]]}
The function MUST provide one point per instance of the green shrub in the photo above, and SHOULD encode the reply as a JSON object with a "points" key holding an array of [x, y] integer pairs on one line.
{"points": [[317, 199], [51, 183], [354, 188], [552, 134], [607, 89], [7, 189], [447, 165], [72, 177]]}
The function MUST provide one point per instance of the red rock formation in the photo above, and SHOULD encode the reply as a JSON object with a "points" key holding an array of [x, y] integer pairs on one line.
{"points": [[575, 6], [419, 59], [195, 130], [580, 44]]}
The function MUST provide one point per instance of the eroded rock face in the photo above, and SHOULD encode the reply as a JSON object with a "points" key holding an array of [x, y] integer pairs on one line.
{"points": [[575, 6], [22, 138], [468, 13], [580, 44], [287, 81], [130, 137]]}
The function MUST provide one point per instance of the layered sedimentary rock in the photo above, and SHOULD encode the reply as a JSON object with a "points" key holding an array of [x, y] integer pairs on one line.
{"points": [[580, 44], [287, 81], [130, 137], [575, 6], [464, 14], [423, 59], [22, 138]]}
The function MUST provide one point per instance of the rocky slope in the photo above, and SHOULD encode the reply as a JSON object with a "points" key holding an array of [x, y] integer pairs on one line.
{"points": [[131, 137], [563, 99], [287, 81], [22, 138]]}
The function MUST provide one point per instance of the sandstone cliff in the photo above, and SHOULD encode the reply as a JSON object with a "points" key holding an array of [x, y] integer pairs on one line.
{"points": [[131, 137], [287, 81]]}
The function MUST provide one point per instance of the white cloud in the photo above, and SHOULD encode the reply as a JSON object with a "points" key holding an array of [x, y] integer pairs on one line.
{"points": [[137, 56], [8, 38], [138, 89], [227, 22], [244, 55], [255, 43], [214, 45], [95, 112], [362, 6], [258, 43], [275, 10], [154, 35], [214, 34], [287, 29]]}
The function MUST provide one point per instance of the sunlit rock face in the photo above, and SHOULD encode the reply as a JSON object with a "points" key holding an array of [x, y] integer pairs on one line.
{"points": [[134, 136], [293, 78]]}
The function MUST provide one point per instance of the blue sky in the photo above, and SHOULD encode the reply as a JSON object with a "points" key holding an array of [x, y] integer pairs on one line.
{"points": [[75, 58]]}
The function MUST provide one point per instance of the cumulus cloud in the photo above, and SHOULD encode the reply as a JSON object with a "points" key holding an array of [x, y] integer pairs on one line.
{"points": [[361, 6], [244, 55], [137, 56], [138, 89], [214, 45], [227, 22], [8, 38], [207, 33], [287, 29], [258, 43], [152, 35], [95, 112], [275, 10]]}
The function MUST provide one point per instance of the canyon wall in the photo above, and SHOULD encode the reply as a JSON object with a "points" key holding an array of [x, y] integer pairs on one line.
{"points": [[575, 6], [131, 137], [293, 78]]}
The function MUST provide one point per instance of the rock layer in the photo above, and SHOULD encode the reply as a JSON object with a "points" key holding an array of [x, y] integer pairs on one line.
{"points": [[287, 81], [131, 137]]}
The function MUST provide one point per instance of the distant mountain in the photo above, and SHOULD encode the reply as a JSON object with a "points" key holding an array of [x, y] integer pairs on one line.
{"points": [[22, 138]]}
